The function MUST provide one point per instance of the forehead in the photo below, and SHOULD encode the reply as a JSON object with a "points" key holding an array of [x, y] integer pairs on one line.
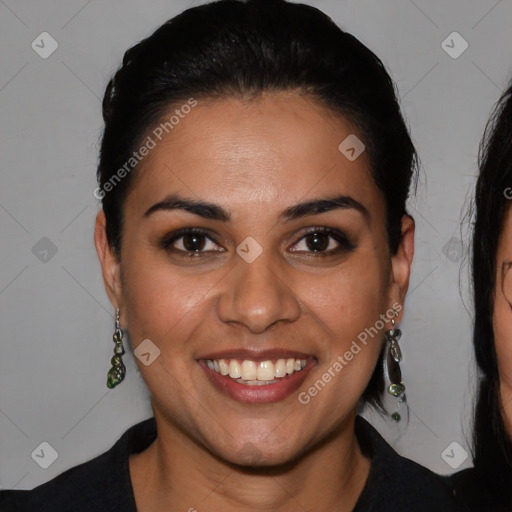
{"points": [[272, 150]]}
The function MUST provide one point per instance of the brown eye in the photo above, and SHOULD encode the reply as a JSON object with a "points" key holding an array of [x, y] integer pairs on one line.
{"points": [[317, 241], [193, 242], [190, 241], [323, 242]]}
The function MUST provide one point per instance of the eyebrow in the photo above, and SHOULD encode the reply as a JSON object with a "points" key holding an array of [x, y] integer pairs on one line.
{"points": [[212, 211]]}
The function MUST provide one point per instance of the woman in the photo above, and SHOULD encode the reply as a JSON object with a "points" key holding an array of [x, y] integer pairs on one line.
{"points": [[254, 241], [489, 485]]}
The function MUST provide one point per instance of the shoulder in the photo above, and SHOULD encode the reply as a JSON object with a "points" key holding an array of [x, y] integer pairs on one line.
{"points": [[398, 483], [83, 487], [100, 484], [417, 488]]}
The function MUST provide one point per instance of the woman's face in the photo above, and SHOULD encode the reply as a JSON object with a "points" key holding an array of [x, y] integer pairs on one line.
{"points": [[502, 318], [289, 262]]}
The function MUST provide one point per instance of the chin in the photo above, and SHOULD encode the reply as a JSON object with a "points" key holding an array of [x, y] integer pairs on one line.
{"points": [[259, 453], [251, 456]]}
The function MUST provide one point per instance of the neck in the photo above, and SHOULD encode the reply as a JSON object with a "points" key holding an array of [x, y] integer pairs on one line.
{"points": [[177, 473]]}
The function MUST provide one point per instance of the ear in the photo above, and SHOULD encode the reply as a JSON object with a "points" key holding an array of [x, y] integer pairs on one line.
{"points": [[110, 266], [401, 263]]}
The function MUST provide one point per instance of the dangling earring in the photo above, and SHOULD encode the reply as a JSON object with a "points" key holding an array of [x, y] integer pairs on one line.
{"points": [[117, 372], [392, 372]]}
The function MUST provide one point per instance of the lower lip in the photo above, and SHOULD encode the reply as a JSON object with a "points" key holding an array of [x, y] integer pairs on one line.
{"points": [[264, 394]]}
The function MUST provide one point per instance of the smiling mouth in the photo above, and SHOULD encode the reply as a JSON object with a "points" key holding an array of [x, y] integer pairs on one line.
{"points": [[256, 373]]}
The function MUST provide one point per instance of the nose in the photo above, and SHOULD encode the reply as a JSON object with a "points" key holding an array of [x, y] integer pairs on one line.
{"points": [[257, 295]]}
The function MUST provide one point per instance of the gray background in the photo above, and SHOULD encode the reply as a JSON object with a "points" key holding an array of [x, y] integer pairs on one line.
{"points": [[55, 318]]}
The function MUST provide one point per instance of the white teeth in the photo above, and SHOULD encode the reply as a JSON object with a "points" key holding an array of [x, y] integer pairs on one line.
{"points": [[249, 370], [256, 373], [224, 368], [280, 368], [266, 370], [234, 369]]}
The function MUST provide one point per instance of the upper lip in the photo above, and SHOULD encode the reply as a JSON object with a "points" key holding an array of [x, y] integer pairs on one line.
{"points": [[256, 355]]}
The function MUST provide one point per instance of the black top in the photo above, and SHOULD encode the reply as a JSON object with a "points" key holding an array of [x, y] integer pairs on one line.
{"points": [[472, 494], [395, 484]]}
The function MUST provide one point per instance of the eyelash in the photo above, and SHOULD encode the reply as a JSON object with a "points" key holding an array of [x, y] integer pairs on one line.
{"points": [[345, 244]]}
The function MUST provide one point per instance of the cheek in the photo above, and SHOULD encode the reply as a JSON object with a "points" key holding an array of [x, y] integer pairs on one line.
{"points": [[347, 301], [162, 303], [503, 339], [347, 306]]}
